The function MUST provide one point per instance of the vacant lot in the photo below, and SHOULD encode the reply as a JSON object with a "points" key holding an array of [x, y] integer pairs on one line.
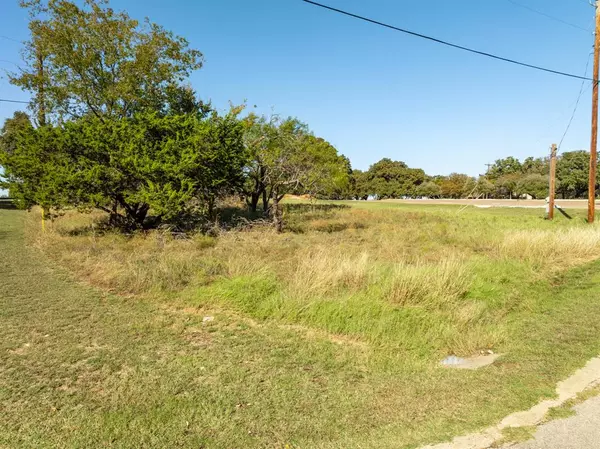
{"points": [[326, 336]]}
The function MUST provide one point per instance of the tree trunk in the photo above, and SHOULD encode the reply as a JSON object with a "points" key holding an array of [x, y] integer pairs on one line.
{"points": [[277, 214], [265, 201], [253, 203]]}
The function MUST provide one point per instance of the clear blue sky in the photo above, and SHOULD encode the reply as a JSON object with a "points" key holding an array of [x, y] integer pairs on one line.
{"points": [[377, 93]]}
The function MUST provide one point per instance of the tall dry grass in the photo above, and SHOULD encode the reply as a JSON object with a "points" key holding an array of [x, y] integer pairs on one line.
{"points": [[553, 248], [429, 284], [387, 275], [322, 271], [126, 264]]}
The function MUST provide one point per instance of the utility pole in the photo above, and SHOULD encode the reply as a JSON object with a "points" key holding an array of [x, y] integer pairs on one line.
{"points": [[594, 143], [552, 182]]}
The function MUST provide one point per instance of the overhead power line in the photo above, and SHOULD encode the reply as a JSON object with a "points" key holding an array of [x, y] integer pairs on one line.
{"points": [[10, 62], [581, 90], [13, 101], [541, 13], [448, 44], [10, 39]]}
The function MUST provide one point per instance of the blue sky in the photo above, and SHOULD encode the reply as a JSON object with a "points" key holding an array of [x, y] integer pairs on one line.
{"points": [[377, 93]]}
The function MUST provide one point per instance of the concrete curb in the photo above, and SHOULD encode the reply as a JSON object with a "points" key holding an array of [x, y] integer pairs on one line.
{"points": [[586, 377]]}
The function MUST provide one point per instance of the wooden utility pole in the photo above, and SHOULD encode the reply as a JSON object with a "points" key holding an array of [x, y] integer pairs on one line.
{"points": [[594, 143], [552, 182]]}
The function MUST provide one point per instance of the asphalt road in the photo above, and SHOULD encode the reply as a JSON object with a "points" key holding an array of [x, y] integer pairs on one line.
{"points": [[581, 431]]}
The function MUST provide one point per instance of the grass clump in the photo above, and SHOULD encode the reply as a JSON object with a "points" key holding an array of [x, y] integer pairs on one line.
{"points": [[433, 285], [320, 272], [562, 247]]}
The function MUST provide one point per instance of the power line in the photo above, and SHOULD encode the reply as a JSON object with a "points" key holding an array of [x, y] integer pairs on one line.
{"points": [[13, 101], [449, 44], [10, 39], [576, 104], [541, 13], [10, 62]]}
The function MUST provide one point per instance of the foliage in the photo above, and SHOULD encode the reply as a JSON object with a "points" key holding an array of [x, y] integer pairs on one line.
{"points": [[359, 185], [457, 185], [394, 179], [484, 187], [429, 189], [35, 164], [534, 184], [507, 185], [284, 157], [572, 173], [12, 129], [540, 166], [171, 165], [503, 167], [90, 59]]}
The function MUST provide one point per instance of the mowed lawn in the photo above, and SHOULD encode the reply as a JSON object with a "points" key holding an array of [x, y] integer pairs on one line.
{"points": [[327, 336]]}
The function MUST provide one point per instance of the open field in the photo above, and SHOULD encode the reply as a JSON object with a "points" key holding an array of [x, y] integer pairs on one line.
{"points": [[326, 336]]}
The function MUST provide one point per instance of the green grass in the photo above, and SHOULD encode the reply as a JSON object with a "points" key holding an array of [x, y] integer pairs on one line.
{"points": [[328, 336], [566, 410], [513, 435]]}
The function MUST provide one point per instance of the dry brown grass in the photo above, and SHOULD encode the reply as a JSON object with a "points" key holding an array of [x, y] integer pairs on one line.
{"points": [[323, 271], [559, 248], [433, 284], [346, 270]]}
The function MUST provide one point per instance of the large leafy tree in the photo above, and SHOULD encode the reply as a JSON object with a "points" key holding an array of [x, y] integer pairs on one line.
{"points": [[484, 187], [534, 184], [394, 179], [164, 164], [540, 166], [359, 185], [87, 59], [284, 157], [35, 163], [171, 166], [429, 189], [503, 167], [572, 172], [457, 185]]}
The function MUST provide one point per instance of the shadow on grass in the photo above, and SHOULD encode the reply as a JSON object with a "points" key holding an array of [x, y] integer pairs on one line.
{"points": [[302, 208], [7, 204], [227, 218]]}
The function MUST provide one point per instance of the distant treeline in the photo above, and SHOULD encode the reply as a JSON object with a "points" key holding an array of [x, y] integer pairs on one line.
{"points": [[506, 178]]}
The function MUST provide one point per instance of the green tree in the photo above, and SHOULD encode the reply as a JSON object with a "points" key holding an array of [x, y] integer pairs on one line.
{"points": [[457, 185], [359, 185], [12, 129], [284, 157], [90, 59], [485, 188], [171, 166], [35, 164], [540, 166], [394, 179], [572, 172], [533, 184], [506, 185], [429, 189], [503, 167]]}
